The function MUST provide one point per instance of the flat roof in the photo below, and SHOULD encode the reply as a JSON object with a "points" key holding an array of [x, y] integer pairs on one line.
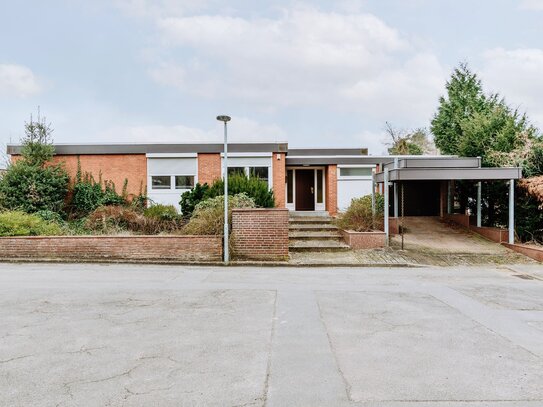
{"points": [[445, 174], [127, 148]]}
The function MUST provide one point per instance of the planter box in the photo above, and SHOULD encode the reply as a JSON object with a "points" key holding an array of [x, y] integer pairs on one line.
{"points": [[364, 240], [533, 252], [113, 248]]}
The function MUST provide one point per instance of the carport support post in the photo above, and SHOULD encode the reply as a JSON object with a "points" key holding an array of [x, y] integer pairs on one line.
{"points": [[512, 211], [479, 188], [372, 193], [385, 187], [396, 191], [449, 200]]}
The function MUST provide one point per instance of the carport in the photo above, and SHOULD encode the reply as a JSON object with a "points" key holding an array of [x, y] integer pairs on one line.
{"points": [[424, 171]]}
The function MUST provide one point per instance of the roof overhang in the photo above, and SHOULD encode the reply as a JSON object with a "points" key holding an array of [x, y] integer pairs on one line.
{"points": [[446, 174], [86, 149], [327, 160]]}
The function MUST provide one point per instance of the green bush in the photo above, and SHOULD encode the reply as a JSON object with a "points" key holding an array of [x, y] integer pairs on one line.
{"points": [[161, 212], [359, 216], [89, 194], [17, 223], [32, 188], [254, 187], [208, 216], [191, 198]]}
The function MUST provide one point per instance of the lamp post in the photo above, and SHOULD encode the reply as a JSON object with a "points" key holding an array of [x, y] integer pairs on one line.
{"points": [[225, 119]]}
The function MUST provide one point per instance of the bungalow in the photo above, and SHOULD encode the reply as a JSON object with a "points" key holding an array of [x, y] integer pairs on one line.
{"points": [[302, 179]]}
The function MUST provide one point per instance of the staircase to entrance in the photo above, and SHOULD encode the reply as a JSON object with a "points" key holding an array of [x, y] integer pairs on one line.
{"points": [[314, 232]]}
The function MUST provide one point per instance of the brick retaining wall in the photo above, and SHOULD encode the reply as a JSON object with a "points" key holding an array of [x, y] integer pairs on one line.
{"points": [[364, 240], [534, 252], [260, 234], [99, 248], [497, 235]]}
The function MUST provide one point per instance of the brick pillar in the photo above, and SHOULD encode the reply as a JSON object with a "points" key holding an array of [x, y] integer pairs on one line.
{"points": [[331, 189], [279, 174], [209, 167]]}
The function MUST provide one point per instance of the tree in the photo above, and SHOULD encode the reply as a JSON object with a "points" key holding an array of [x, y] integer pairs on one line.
{"points": [[402, 142], [33, 183], [464, 99]]}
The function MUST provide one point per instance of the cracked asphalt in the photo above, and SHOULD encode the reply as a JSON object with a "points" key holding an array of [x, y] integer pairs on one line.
{"points": [[128, 335]]}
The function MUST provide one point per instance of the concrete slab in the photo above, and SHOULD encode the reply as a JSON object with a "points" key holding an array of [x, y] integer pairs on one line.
{"points": [[409, 347]]}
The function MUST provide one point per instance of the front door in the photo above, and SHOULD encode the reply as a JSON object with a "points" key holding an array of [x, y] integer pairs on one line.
{"points": [[305, 190]]}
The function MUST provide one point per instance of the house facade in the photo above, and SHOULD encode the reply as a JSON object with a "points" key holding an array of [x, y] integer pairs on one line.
{"points": [[301, 179]]}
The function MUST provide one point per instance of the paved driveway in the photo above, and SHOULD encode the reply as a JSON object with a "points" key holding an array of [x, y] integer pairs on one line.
{"points": [[125, 335]]}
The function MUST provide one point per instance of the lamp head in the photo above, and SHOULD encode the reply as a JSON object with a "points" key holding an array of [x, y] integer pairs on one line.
{"points": [[223, 118]]}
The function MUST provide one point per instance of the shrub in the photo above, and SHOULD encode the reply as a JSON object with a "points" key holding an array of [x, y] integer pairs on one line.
{"points": [[208, 216], [359, 216], [119, 219], [191, 198], [253, 187], [161, 212], [88, 194], [50, 216], [32, 188], [17, 223]]}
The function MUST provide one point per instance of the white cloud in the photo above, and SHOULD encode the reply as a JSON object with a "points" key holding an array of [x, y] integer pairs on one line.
{"points": [[239, 130], [18, 81], [516, 75], [305, 57], [531, 5]]}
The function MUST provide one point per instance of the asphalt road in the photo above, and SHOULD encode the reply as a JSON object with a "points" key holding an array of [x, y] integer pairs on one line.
{"points": [[126, 335]]}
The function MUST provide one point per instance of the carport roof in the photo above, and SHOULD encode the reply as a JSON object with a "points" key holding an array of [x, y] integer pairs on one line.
{"points": [[447, 173]]}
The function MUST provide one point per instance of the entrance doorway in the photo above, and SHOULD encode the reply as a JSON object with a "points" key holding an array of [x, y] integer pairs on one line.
{"points": [[305, 190]]}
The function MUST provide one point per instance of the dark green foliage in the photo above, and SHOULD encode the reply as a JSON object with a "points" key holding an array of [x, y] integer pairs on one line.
{"points": [[17, 223], [528, 217], [32, 183], [33, 188], [50, 216], [88, 194], [191, 198], [254, 187]]}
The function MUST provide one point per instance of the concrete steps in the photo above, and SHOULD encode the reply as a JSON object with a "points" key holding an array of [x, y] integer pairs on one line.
{"points": [[314, 234]]}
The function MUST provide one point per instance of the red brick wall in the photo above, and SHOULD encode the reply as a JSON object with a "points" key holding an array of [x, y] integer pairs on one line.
{"points": [[100, 248], [260, 234], [533, 252], [114, 167], [364, 240], [331, 189], [209, 167], [279, 174]]}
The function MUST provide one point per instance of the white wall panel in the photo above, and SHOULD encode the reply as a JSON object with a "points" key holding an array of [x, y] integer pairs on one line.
{"points": [[347, 189]]}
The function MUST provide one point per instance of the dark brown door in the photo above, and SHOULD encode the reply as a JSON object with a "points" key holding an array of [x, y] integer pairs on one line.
{"points": [[305, 190]]}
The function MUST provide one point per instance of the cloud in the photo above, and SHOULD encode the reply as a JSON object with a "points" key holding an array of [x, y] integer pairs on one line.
{"points": [[18, 81], [305, 57], [516, 75], [531, 5], [239, 130]]}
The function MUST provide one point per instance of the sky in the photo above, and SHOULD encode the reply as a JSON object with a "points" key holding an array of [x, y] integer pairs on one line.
{"points": [[313, 73]]}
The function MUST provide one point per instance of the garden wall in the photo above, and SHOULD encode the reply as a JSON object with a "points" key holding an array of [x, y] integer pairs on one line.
{"points": [[99, 248], [497, 235], [260, 234], [534, 252]]}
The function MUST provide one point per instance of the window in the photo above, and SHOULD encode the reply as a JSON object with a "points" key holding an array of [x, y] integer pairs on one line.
{"points": [[290, 186], [354, 172], [236, 170], [259, 172], [161, 182], [184, 181], [319, 187]]}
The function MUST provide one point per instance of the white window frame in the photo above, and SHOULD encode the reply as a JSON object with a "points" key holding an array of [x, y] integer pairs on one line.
{"points": [[318, 206], [354, 177], [246, 171], [172, 188]]}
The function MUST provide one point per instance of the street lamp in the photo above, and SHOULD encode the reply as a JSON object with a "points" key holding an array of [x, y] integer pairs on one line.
{"points": [[225, 119]]}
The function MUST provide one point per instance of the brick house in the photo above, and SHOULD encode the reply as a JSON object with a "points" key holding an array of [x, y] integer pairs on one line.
{"points": [[301, 179]]}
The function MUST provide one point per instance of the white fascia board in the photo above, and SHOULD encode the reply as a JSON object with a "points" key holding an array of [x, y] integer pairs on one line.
{"points": [[171, 155], [248, 154]]}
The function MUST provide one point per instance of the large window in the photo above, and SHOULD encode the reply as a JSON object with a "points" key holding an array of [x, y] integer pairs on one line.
{"points": [[259, 172], [355, 172], [168, 182], [161, 182], [184, 181]]}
